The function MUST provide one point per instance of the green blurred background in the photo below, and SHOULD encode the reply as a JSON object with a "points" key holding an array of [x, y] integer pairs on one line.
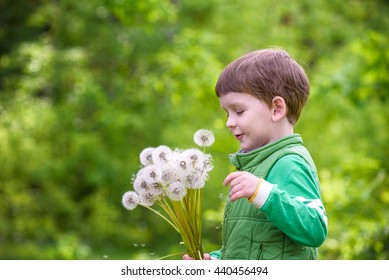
{"points": [[86, 85]]}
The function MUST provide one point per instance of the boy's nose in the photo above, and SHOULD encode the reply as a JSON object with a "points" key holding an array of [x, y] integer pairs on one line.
{"points": [[230, 122]]}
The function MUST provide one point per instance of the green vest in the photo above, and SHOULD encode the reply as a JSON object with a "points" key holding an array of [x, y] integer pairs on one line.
{"points": [[247, 233]]}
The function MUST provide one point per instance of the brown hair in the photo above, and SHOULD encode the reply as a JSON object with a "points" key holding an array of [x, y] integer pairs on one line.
{"points": [[265, 74]]}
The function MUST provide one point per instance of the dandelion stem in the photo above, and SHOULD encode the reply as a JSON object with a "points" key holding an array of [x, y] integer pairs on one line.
{"points": [[162, 216]]}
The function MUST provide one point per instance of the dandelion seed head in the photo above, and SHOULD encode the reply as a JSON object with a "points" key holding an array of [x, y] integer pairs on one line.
{"points": [[195, 157], [204, 138], [130, 200], [168, 173], [181, 167], [152, 173], [176, 191], [146, 156], [198, 181], [140, 183], [161, 155], [182, 164], [156, 188], [180, 161], [207, 163], [190, 179], [147, 199]]}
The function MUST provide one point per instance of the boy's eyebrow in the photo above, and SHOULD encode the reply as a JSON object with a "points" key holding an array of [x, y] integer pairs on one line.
{"points": [[235, 104]]}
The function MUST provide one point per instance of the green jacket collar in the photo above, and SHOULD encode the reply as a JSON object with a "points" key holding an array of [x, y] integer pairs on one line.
{"points": [[247, 160]]}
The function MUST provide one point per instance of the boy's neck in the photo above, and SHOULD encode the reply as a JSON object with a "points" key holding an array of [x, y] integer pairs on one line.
{"points": [[281, 130]]}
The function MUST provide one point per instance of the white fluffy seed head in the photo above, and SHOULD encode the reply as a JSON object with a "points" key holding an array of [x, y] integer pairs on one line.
{"points": [[146, 156], [152, 174], [204, 138], [130, 200], [161, 155], [176, 191]]}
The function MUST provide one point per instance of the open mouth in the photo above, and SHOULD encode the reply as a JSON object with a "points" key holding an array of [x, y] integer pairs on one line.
{"points": [[239, 136]]}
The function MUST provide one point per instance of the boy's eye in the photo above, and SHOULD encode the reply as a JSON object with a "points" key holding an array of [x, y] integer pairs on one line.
{"points": [[239, 112]]}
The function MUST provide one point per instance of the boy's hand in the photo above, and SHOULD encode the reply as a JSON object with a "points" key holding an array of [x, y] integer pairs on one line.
{"points": [[205, 257], [242, 184]]}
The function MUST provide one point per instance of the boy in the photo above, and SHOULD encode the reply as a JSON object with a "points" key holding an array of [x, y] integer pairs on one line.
{"points": [[274, 210]]}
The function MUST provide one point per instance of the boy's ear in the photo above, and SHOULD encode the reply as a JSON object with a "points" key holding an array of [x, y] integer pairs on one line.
{"points": [[278, 108]]}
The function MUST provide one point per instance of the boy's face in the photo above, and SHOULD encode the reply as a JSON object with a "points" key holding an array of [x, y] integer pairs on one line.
{"points": [[249, 119]]}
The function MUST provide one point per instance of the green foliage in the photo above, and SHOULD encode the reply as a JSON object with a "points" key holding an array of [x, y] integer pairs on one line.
{"points": [[86, 85], [354, 171]]}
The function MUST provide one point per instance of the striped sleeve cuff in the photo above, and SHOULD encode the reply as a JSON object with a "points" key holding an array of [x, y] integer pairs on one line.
{"points": [[262, 195]]}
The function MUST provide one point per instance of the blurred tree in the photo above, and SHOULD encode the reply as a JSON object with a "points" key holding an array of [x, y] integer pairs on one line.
{"points": [[86, 85], [355, 168]]}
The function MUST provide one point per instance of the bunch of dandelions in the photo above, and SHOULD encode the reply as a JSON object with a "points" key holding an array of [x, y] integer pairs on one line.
{"points": [[175, 180]]}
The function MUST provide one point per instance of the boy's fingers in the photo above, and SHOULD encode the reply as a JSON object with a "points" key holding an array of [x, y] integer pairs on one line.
{"points": [[231, 177], [186, 257]]}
